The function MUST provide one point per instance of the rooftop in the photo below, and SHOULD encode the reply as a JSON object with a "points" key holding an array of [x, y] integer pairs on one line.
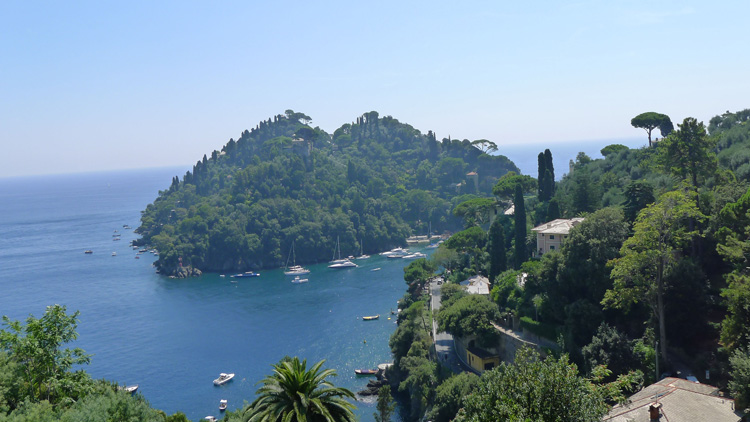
{"points": [[559, 226], [477, 285], [681, 401]]}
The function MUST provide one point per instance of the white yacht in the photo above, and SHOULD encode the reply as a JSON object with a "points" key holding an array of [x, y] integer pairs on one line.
{"points": [[223, 379]]}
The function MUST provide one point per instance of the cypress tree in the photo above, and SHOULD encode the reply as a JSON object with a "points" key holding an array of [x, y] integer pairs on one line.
{"points": [[519, 214], [542, 173], [551, 168], [553, 210], [498, 261]]}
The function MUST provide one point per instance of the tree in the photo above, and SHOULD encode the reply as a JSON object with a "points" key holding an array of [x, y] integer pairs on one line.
{"points": [[519, 216], [450, 394], [37, 347], [577, 281], [660, 232], [541, 171], [418, 272], [649, 121], [687, 153], [498, 259], [475, 212], [385, 405], [467, 240], [611, 149], [485, 146], [612, 348], [533, 389], [553, 210], [294, 393], [638, 194], [739, 385], [506, 185], [471, 315]]}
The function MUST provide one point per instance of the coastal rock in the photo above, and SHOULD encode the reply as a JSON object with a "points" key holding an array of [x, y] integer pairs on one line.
{"points": [[185, 272], [372, 388]]}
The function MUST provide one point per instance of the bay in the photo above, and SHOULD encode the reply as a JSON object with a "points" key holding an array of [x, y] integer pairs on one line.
{"points": [[173, 337]]}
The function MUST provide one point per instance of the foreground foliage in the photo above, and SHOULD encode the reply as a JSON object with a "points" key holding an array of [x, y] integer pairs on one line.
{"points": [[294, 393], [533, 389], [37, 383]]}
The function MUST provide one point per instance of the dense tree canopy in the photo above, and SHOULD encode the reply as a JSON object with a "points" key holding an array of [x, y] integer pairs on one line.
{"points": [[371, 184], [532, 389]]}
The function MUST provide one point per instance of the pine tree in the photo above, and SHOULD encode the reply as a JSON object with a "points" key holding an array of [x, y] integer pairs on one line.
{"points": [[519, 214]]}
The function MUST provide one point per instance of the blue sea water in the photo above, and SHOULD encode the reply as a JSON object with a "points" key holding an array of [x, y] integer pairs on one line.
{"points": [[173, 337]]}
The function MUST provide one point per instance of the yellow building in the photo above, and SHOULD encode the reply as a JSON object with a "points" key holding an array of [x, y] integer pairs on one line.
{"points": [[550, 235], [481, 360]]}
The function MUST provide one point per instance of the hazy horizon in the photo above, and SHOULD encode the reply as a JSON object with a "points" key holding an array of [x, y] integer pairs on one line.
{"points": [[91, 86]]}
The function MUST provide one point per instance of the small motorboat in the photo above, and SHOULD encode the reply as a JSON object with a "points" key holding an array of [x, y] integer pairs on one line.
{"points": [[222, 405], [223, 379], [370, 318], [128, 388], [88, 251], [375, 269], [247, 274], [137, 257], [114, 253], [298, 280], [365, 371], [210, 419]]}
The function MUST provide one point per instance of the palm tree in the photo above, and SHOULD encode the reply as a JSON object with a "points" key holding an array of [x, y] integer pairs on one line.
{"points": [[294, 394]]}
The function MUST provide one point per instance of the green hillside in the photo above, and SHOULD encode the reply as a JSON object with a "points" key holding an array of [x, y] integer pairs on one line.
{"points": [[370, 184]]}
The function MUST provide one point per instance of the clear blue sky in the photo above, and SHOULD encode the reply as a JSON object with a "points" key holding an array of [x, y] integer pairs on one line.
{"points": [[87, 86]]}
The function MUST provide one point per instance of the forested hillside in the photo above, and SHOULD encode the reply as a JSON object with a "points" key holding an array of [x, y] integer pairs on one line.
{"points": [[655, 269], [370, 184]]}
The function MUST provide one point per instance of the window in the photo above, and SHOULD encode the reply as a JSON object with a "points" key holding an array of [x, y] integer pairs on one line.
{"points": [[552, 248], [552, 237]]}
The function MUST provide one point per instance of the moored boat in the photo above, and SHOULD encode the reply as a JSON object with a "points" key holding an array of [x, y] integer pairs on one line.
{"points": [[343, 263], [247, 274], [365, 371], [222, 405], [223, 379], [298, 280], [89, 251], [370, 318]]}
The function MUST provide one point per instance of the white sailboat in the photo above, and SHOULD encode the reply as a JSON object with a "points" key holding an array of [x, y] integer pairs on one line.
{"points": [[340, 263], [361, 253], [294, 269]]}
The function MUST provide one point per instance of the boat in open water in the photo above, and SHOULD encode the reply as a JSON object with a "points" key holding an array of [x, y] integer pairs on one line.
{"points": [[247, 274], [223, 379], [370, 318], [222, 405], [298, 280]]}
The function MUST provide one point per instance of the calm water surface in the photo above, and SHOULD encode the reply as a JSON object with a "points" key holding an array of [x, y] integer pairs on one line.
{"points": [[173, 337]]}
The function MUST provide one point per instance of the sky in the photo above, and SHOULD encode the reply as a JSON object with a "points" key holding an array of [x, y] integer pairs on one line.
{"points": [[92, 86]]}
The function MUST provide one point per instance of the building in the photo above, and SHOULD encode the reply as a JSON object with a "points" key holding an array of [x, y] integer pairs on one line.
{"points": [[550, 235], [676, 400], [477, 285]]}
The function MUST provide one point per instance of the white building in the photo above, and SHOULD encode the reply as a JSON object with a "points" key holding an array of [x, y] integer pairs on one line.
{"points": [[550, 235], [477, 285]]}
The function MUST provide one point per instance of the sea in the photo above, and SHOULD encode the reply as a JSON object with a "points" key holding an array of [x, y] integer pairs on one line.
{"points": [[173, 337]]}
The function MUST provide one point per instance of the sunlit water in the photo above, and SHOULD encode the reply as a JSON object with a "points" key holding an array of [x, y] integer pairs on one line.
{"points": [[173, 337]]}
